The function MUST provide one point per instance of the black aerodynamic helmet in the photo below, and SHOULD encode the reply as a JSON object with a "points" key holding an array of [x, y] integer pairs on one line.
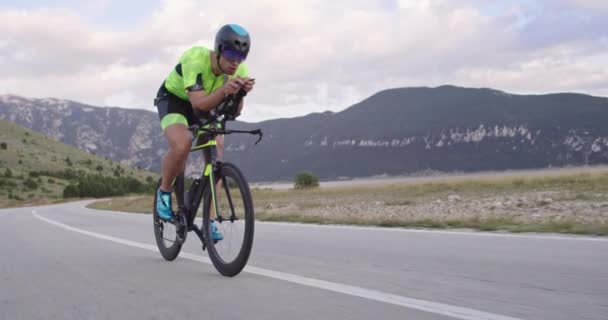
{"points": [[233, 42]]}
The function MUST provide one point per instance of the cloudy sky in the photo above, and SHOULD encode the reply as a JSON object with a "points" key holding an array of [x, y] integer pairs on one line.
{"points": [[309, 55]]}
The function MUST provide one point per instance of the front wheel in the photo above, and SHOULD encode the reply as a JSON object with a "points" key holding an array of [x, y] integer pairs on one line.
{"points": [[234, 218]]}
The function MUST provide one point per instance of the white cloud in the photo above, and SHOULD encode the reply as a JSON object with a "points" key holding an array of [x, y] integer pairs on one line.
{"points": [[122, 98], [313, 55], [588, 4]]}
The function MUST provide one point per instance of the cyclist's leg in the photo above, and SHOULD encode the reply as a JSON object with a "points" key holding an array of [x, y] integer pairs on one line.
{"points": [[175, 115], [174, 160], [220, 150], [215, 233]]}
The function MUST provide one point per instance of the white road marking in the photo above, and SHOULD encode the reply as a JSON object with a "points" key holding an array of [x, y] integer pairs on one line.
{"points": [[407, 302]]}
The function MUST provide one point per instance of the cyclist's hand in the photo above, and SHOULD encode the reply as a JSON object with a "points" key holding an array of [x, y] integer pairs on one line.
{"points": [[232, 86], [248, 84]]}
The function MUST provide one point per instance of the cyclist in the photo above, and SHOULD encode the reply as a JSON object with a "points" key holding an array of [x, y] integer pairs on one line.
{"points": [[200, 81]]}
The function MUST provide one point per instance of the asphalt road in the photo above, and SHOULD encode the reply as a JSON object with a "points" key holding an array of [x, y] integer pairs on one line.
{"points": [[69, 262]]}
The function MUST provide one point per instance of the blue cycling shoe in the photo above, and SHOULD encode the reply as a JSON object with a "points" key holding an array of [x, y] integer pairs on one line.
{"points": [[163, 205], [216, 235]]}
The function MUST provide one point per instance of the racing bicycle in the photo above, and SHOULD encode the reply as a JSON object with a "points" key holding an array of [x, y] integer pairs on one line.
{"points": [[225, 196]]}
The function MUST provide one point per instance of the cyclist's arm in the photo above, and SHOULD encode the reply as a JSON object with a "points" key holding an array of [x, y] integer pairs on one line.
{"points": [[192, 70], [205, 102]]}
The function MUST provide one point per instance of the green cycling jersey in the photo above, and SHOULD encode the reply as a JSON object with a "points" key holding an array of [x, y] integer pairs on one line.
{"points": [[193, 72]]}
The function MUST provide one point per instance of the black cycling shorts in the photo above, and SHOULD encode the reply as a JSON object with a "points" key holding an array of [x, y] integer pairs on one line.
{"points": [[172, 109]]}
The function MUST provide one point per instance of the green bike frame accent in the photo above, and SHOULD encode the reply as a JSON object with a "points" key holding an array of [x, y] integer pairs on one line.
{"points": [[207, 170], [210, 143]]}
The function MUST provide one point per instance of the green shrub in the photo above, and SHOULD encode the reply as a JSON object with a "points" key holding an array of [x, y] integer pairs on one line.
{"points": [[306, 180], [98, 186], [8, 173], [30, 184], [3, 146], [67, 174], [71, 191], [8, 183]]}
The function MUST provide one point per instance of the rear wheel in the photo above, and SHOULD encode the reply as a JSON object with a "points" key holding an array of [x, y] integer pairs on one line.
{"points": [[234, 219], [165, 232]]}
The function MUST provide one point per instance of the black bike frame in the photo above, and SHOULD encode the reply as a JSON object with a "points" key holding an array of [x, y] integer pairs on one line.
{"points": [[189, 202]]}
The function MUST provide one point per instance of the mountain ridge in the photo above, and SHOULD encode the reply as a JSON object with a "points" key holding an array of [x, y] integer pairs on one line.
{"points": [[394, 131]]}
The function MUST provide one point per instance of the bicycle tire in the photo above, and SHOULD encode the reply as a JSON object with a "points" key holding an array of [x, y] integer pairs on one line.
{"points": [[168, 252], [234, 267]]}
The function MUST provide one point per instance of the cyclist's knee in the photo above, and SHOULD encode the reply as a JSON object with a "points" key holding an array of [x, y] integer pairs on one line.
{"points": [[182, 147], [179, 139]]}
